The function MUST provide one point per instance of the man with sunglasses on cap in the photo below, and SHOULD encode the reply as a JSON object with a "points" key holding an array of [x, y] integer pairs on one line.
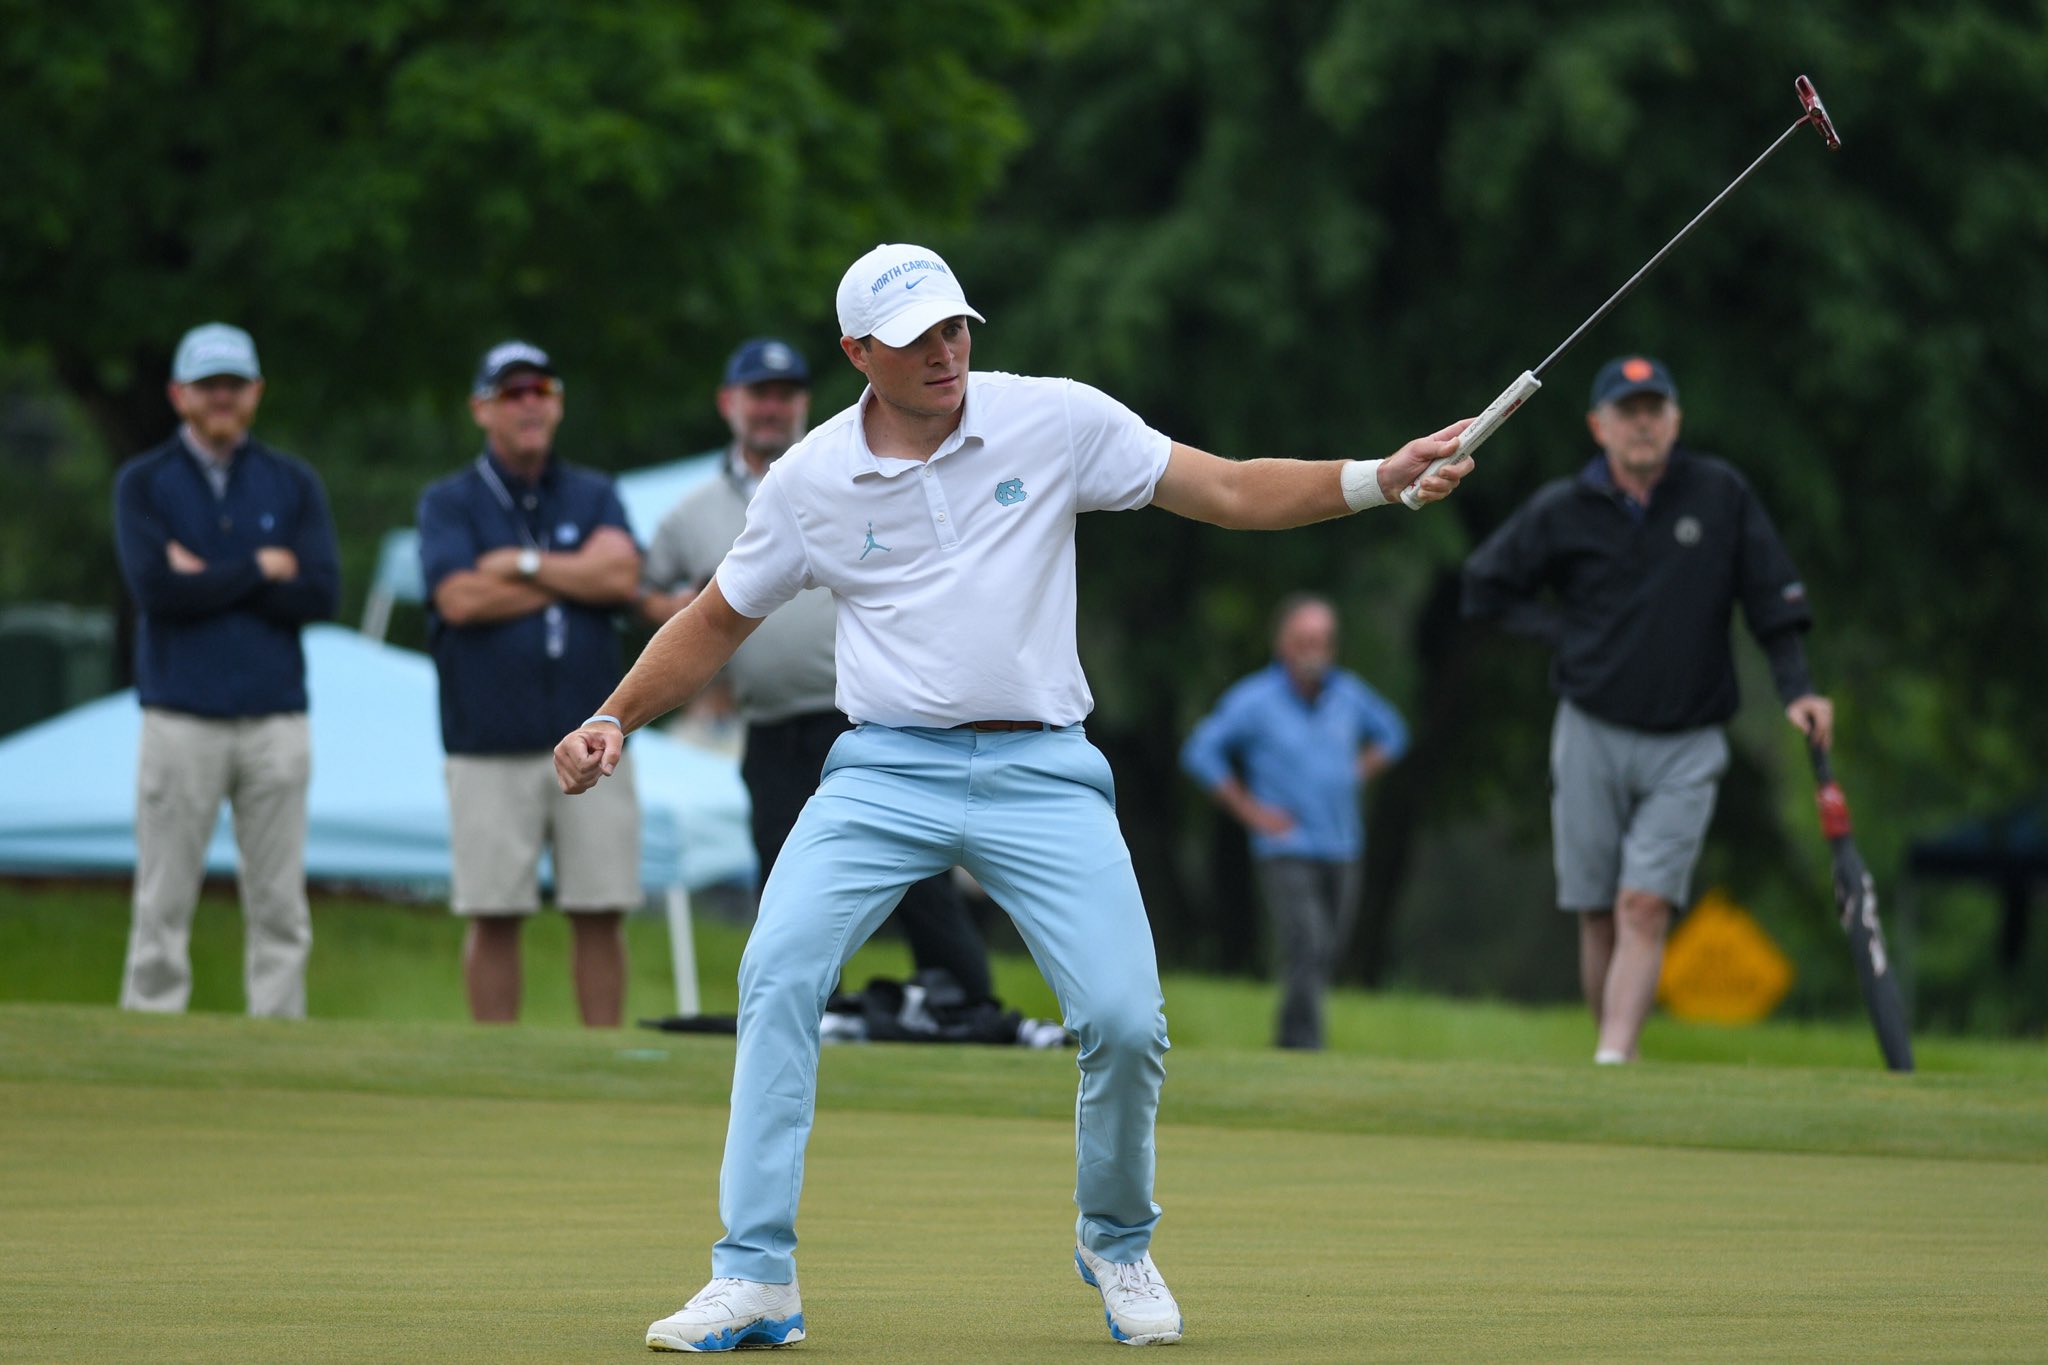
{"points": [[526, 560], [228, 549], [1630, 570], [783, 676], [939, 510]]}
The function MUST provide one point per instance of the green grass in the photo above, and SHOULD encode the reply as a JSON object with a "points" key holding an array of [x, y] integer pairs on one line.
{"points": [[1450, 1182], [209, 1188], [380, 960]]}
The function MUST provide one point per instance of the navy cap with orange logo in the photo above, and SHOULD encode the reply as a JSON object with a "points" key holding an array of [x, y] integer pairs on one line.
{"points": [[1632, 374]]}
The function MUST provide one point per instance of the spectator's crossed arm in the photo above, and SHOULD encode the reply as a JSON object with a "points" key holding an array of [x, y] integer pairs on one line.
{"points": [[150, 557], [311, 591], [467, 588]]}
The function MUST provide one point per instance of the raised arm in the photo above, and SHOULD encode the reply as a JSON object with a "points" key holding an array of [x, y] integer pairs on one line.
{"points": [[1272, 495], [676, 664]]}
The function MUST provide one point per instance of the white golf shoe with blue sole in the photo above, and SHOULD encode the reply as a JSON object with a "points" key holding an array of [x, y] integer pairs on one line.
{"points": [[1140, 1308], [730, 1315]]}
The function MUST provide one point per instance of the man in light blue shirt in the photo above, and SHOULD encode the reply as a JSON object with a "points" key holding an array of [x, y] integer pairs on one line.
{"points": [[1287, 752]]}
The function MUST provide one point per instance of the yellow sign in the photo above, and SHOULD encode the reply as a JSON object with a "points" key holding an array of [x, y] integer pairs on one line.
{"points": [[1721, 967]]}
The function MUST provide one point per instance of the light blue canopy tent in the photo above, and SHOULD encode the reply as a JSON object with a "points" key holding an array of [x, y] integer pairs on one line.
{"points": [[377, 807], [648, 494]]}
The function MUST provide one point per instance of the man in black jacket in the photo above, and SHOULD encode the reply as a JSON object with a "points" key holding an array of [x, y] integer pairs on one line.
{"points": [[228, 548], [1630, 571]]}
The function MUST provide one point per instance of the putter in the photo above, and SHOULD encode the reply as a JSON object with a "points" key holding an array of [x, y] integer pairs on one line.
{"points": [[1501, 408]]}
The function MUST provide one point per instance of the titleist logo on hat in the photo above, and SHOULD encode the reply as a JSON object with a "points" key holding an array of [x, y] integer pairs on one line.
{"points": [[510, 353], [506, 356]]}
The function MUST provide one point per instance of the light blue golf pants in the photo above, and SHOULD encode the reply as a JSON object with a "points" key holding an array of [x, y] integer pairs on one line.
{"points": [[1031, 814]]}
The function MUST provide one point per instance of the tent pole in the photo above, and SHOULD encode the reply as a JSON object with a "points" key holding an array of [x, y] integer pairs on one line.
{"points": [[377, 614], [682, 950]]}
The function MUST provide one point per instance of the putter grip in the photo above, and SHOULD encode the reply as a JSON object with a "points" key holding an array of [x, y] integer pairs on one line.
{"points": [[1483, 425]]}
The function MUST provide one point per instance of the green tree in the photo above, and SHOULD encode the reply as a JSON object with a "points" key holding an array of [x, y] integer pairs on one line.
{"points": [[380, 190], [1320, 228]]}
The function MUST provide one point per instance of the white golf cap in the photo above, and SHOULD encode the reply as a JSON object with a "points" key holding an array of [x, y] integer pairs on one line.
{"points": [[896, 291], [215, 348]]}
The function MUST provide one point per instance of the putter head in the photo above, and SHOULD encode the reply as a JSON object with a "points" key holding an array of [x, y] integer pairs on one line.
{"points": [[1817, 113]]}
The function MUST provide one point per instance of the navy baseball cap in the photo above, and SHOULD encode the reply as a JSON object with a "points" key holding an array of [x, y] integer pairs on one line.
{"points": [[1632, 374], [764, 359], [506, 357]]}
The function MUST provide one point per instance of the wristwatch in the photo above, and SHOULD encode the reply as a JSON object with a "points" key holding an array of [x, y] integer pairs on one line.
{"points": [[529, 562]]}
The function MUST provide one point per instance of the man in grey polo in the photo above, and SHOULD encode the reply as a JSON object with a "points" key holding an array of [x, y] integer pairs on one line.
{"points": [[228, 549], [1631, 570], [783, 677]]}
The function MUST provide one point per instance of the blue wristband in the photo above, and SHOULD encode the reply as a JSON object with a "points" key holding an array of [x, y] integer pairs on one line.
{"points": [[601, 716]]}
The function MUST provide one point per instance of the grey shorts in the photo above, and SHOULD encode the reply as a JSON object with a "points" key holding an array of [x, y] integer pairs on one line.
{"points": [[1629, 809], [503, 809]]}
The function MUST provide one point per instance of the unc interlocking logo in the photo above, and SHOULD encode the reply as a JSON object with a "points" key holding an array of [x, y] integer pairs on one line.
{"points": [[1010, 491]]}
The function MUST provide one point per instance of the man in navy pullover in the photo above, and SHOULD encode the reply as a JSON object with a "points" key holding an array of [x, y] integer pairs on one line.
{"points": [[228, 549]]}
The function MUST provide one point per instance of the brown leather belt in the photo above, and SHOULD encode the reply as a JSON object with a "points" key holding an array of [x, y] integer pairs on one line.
{"points": [[1002, 725]]}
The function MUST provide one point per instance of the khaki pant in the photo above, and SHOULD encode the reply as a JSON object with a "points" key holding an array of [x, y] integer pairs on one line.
{"points": [[187, 766]]}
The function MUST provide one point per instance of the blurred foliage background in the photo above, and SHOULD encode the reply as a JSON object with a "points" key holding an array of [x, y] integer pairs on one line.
{"points": [[1309, 228]]}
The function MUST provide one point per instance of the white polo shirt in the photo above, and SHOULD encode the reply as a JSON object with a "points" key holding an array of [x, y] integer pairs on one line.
{"points": [[953, 577]]}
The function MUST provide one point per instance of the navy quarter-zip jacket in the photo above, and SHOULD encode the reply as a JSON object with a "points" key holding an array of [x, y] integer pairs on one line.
{"points": [[224, 642]]}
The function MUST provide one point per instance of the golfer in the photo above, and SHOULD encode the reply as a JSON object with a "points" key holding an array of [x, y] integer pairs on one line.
{"points": [[939, 510]]}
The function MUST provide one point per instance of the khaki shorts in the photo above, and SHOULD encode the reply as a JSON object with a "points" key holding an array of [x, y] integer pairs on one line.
{"points": [[503, 809]]}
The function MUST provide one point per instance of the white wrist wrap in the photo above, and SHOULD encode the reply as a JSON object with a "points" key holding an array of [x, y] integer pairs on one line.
{"points": [[1361, 481]]}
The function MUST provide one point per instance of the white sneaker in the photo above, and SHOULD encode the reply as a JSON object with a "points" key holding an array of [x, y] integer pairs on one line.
{"points": [[1139, 1306], [730, 1313]]}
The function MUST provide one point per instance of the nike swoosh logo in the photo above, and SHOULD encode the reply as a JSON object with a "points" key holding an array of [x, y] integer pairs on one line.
{"points": [[912, 284]]}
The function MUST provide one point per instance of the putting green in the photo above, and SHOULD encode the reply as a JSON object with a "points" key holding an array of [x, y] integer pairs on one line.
{"points": [[223, 1189]]}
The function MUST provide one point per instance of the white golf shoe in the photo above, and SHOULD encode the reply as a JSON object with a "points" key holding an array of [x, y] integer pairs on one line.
{"points": [[1139, 1306], [727, 1314]]}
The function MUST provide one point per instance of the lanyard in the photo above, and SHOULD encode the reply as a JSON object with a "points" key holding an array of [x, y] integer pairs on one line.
{"points": [[504, 496], [557, 622]]}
